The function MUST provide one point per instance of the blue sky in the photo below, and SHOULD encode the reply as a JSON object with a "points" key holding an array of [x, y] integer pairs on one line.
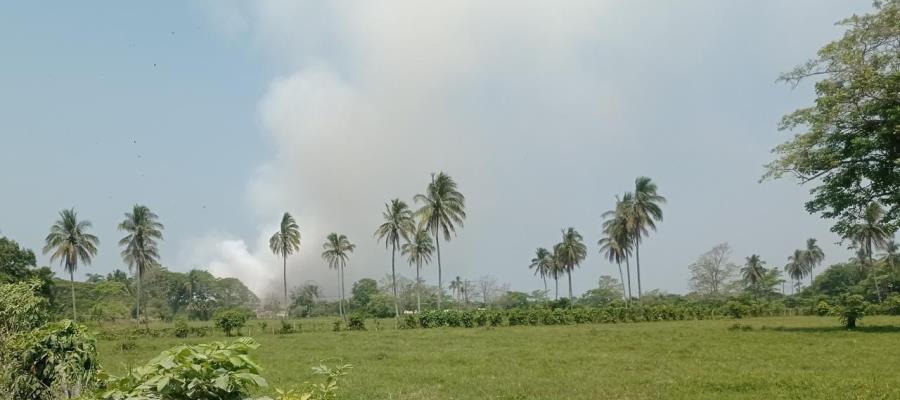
{"points": [[222, 115]]}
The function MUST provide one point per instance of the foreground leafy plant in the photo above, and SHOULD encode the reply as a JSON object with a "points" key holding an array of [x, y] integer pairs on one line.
{"points": [[852, 308], [206, 371]]}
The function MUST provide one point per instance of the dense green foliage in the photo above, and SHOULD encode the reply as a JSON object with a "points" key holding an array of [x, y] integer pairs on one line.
{"points": [[230, 320], [57, 361], [18, 264], [848, 144]]}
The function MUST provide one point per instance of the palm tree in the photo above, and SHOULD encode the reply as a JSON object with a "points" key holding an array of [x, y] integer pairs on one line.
{"points": [[645, 212], [572, 252], [814, 257], [754, 272], [284, 243], [418, 251], [891, 255], [871, 234], [140, 248], [796, 267], [540, 264], [618, 225], [456, 286], [398, 222], [616, 247], [70, 243], [556, 267], [336, 254], [443, 207]]}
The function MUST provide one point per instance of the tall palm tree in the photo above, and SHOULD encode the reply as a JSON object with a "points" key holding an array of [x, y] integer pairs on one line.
{"points": [[796, 267], [418, 251], [443, 207], [540, 264], [814, 257], [556, 267], [616, 247], [871, 234], [754, 271], [143, 229], [456, 286], [398, 223], [572, 252], [891, 255], [618, 225], [645, 212], [70, 243], [337, 253], [284, 243]]}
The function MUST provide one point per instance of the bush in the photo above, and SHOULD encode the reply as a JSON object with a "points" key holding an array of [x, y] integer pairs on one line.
{"points": [[337, 326], [822, 308], [57, 361], [852, 308], [206, 371], [736, 309], [230, 320], [181, 328], [892, 304], [356, 323], [410, 322], [286, 328], [263, 325]]}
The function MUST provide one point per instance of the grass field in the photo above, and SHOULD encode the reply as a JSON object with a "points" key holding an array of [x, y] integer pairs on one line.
{"points": [[780, 358]]}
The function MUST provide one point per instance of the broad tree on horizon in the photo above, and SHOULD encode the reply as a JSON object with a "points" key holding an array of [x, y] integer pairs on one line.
{"points": [[398, 223], [443, 208], [418, 250], [572, 251], [284, 243], [69, 242], [337, 254], [141, 251]]}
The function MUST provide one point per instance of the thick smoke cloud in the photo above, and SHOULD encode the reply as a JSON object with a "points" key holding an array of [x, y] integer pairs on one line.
{"points": [[542, 111]]}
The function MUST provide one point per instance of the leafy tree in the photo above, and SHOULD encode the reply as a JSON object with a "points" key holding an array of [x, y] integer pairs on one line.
{"points": [[363, 291], [608, 290], [57, 361], [141, 252], [644, 212], [306, 296], [337, 254], [540, 264], [230, 320], [70, 243], [851, 309], [572, 252], [712, 271], [443, 208], [18, 264], [419, 251], [870, 234], [284, 243], [398, 223], [847, 145]]}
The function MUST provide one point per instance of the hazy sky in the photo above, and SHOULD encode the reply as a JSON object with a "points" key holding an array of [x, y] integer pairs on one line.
{"points": [[221, 115]]}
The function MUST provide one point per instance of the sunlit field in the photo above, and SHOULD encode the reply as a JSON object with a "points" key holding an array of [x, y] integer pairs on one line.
{"points": [[778, 358]]}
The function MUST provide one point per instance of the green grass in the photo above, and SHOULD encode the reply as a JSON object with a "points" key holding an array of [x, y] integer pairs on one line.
{"points": [[791, 358]]}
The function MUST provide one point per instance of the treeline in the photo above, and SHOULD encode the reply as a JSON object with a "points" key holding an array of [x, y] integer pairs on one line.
{"points": [[166, 294]]}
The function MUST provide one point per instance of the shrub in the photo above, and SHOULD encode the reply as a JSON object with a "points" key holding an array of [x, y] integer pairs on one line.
{"points": [[127, 345], [337, 326], [356, 323], [206, 371], [852, 308], [263, 325], [181, 328], [57, 361], [410, 322], [21, 310], [495, 318], [892, 304], [230, 320], [286, 328], [822, 308], [736, 309]]}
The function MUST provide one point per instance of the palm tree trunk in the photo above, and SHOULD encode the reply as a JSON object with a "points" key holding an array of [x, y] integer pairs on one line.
{"points": [[343, 294], [340, 293], [637, 262], [284, 272], [544, 277], [72, 281], [440, 281], [418, 288], [138, 308], [569, 272], [556, 279], [873, 274], [622, 279], [394, 281], [628, 271]]}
